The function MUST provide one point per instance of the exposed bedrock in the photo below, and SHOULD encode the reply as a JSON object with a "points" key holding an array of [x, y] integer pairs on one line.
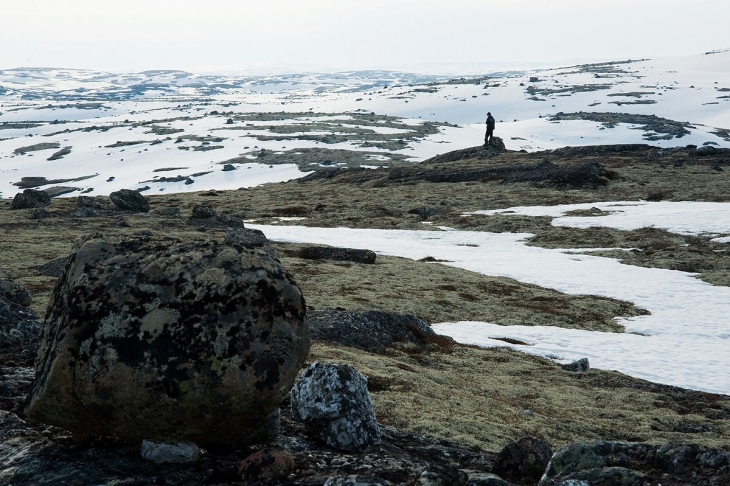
{"points": [[149, 338]]}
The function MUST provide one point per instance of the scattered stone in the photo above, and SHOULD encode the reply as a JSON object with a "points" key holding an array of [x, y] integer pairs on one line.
{"points": [[168, 212], [230, 221], [128, 200], [249, 238], [706, 150], [373, 330], [450, 476], [607, 476], [54, 268], [91, 202], [170, 453], [334, 403], [524, 461], [40, 213], [228, 168], [338, 254], [485, 479], [14, 292], [85, 212], [144, 233], [424, 211], [579, 366], [356, 480], [30, 199], [266, 464], [121, 222], [203, 212], [230, 319]]}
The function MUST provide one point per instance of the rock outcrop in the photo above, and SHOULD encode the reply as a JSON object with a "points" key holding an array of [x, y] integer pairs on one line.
{"points": [[334, 403], [374, 330], [148, 338], [337, 254], [30, 199]]}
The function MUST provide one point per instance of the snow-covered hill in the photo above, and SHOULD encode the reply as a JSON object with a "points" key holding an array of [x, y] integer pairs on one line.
{"points": [[173, 131]]}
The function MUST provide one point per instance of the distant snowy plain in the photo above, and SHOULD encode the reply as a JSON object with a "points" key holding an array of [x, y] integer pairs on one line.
{"points": [[96, 113], [117, 126]]}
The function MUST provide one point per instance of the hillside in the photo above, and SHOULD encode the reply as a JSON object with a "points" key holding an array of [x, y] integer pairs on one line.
{"points": [[482, 398]]}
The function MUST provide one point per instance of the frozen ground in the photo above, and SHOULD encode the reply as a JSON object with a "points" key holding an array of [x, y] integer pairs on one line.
{"points": [[126, 126], [683, 342]]}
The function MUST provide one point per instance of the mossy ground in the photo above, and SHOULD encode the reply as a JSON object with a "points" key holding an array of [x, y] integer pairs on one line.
{"points": [[472, 395]]}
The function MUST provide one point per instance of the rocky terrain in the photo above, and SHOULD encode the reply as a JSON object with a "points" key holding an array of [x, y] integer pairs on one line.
{"points": [[446, 413]]}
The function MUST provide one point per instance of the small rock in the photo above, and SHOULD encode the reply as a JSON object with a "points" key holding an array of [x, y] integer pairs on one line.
{"points": [[14, 292], [85, 212], [164, 453], [246, 237], [40, 213], [228, 168], [608, 476], [203, 212], [30, 199], [144, 233], [266, 464], [356, 480], [334, 403], [91, 202], [448, 476], [485, 479], [577, 366], [230, 221], [121, 222], [128, 200]]}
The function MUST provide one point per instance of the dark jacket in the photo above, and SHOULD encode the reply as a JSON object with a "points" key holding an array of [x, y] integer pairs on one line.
{"points": [[490, 122]]}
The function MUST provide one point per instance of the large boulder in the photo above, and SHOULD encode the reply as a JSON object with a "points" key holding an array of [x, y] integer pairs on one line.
{"points": [[128, 200], [150, 338], [334, 403], [30, 199]]}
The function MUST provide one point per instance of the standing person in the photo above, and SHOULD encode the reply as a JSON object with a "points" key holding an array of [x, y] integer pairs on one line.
{"points": [[490, 130]]}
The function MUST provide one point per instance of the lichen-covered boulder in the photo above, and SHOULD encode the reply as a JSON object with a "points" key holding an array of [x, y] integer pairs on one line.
{"points": [[129, 200], [334, 403], [150, 338], [30, 199]]}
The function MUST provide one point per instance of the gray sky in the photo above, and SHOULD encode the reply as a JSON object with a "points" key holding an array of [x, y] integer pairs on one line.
{"points": [[349, 34]]}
